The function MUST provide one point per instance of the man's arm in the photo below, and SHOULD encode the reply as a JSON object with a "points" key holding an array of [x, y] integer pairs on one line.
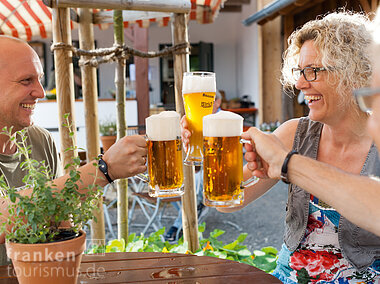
{"points": [[124, 159], [357, 198]]}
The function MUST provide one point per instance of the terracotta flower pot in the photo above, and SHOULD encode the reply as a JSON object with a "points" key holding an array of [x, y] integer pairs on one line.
{"points": [[56, 262], [107, 142]]}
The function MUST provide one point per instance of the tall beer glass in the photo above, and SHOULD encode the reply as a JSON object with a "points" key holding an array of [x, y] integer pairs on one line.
{"points": [[165, 164], [198, 90], [223, 160]]}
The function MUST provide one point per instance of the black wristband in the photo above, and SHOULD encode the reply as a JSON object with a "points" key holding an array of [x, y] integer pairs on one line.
{"points": [[284, 168], [104, 168]]}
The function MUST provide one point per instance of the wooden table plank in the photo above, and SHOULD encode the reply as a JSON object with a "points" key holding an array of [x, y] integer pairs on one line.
{"points": [[147, 267], [189, 272]]}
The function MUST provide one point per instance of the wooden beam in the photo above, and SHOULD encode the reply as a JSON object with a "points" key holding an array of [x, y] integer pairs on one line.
{"points": [[122, 184], [189, 199], [294, 9], [374, 5], [141, 64], [270, 69], [103, 17], [231, 8], [287, 102], [236, 2], [172, 6], [365, 5], [64, 78], [90, 101]]}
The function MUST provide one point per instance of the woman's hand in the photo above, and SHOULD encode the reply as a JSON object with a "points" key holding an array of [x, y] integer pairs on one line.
{"points": [[185, 132]]}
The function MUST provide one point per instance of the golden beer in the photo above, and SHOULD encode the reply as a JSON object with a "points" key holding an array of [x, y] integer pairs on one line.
{"points": [[198, 95], [223, 160], [165, 165], [223, 171]]}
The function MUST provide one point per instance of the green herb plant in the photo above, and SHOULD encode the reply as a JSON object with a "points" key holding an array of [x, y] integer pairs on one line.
{"points": [[264, 259], [36, 218], [107, 128]]}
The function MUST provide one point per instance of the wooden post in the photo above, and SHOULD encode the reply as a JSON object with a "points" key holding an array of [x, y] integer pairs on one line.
{"points": [[287, 101], [64, 79], [90, 101], [122, 184], [270, 66], [174, 6], [140, 42], [189, 200]]}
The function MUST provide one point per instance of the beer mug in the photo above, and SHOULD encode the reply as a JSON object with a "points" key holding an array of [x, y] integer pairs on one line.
{"points": [[165, 164], [198, 91], [223, 184]]}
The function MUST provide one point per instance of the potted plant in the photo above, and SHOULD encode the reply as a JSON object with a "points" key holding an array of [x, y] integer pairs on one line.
{"points": [[107, 130], [42, 251]]}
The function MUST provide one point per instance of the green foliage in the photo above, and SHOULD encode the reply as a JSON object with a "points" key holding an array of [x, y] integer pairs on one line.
{"points": [[107, 128], [36, 217], [264, 259]]}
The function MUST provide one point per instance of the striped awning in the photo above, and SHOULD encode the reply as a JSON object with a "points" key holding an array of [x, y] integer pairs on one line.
{"points": [[28, 18]]}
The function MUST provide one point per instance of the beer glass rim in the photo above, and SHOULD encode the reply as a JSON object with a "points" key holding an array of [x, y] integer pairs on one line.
{"points": [[200, 73]]}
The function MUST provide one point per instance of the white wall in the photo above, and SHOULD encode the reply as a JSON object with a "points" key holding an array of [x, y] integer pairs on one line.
{"points": [[222, 33], [247, 56], [235, 54], [46, 115]]}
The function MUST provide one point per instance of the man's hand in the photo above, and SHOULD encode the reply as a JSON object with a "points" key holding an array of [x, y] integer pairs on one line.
{"points": [[185, 132], [127, 157], [266, 154]]}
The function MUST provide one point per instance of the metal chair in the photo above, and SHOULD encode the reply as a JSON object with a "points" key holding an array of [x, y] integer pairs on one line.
{"points": [[152, 208], [107, 204]]}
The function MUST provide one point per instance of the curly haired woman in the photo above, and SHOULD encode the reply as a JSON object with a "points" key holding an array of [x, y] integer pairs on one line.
{"points": [[327, 59]]}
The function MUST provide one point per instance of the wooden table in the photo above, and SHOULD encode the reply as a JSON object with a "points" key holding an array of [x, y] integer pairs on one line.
{"points": [[147, 267]]}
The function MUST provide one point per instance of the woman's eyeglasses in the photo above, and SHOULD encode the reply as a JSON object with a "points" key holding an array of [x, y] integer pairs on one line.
{"points": [[309, 73], [364, 97]]}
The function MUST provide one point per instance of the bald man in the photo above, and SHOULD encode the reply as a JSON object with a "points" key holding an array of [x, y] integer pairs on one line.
{"points": [[20, 90]]}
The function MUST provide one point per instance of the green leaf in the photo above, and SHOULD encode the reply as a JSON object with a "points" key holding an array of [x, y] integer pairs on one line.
{"points": [[244, 252], [131, 237], [265, 262], [135, 246], [270, 250], [202, 227], [242, 237], [231, 246], [116, 245], [220, 254], [258, 253], [216, 233]]}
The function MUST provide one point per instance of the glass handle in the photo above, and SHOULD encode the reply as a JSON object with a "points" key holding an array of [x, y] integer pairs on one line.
{"points": [[251, 181], [143, 177], [245, 141]]}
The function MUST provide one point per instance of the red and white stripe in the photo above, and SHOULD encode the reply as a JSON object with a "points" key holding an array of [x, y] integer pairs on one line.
{"points": [[28, 18], [25, 18]]}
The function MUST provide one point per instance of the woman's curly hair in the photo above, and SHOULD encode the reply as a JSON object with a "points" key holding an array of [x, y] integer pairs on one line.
{"points": [[342, 40]]}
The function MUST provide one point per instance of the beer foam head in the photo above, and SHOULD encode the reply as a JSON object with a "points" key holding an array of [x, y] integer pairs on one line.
{"points": [[198, 84], [222, 124], [163, 126]]}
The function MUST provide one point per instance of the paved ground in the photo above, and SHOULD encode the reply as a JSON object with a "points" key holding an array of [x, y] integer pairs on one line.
{"points": [[263, 220]]}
